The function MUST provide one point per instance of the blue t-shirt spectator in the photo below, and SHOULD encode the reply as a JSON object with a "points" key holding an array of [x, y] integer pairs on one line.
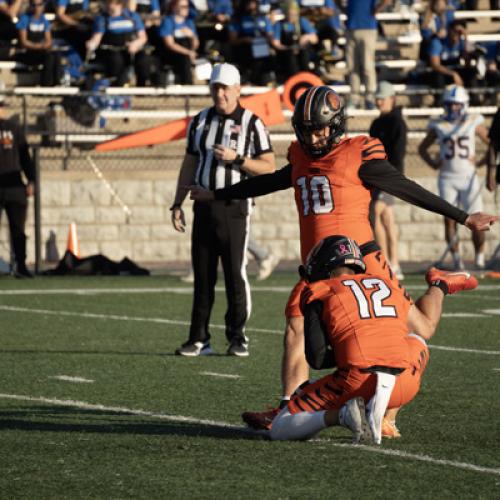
{"points": [[35, 27], [448, 52], [437, 24], [224, 7], [73, 5], [334, 20], [147, 6], [360, 15], [251, 26], [284, 27], [127, 22], [170, 27]]}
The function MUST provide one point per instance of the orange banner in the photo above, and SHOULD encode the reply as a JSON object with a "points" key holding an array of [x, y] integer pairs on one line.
{"points": [[266, 106]]}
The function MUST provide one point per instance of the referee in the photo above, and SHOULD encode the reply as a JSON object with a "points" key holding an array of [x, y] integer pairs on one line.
{"points": [[226, 144]]}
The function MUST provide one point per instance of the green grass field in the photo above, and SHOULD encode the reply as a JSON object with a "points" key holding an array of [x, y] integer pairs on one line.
{"points": [[94, 404]]}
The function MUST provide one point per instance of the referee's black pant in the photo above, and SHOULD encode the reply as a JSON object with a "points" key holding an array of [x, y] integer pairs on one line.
{"points": [[14, 201], [220, 229]]}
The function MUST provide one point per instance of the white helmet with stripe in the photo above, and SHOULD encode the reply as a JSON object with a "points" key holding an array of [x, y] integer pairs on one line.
{"points": [[454, 94]]}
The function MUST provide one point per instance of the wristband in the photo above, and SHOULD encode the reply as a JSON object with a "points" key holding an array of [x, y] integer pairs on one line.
{"points": [[441, 285], [239, 160]]}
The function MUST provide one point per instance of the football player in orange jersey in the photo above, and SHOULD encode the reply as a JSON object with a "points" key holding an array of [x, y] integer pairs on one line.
{"points": [[332, 178], [365, 326]]}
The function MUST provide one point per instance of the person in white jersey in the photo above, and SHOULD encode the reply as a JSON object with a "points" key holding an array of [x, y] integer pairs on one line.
{"points": [[455, 132]]}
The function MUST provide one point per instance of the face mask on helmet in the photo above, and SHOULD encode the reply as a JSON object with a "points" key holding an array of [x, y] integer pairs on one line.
{"points": [[330, 253], [456, 101], [318, 120], [454, 111]]}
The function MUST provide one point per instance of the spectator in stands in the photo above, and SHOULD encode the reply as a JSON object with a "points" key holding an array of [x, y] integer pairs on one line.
{"points": [[250, 36], [119, 38], [361, 35], [9, 9], [180, 41], [493, 175], [150, 13], [15, 161], [450, 60], [391, 129], [325, 17], [293, 39], [268, 7], [74, 23], [212, 27], [35, 42], [434, 22], [455, 132]]}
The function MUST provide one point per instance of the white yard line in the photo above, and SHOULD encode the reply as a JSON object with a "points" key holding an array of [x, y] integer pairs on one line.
{"points": [[98, 291], [48, 312], [414, 456], [220, 375], [495, 312], [118, 409], [463, 349], [214, 423], [464, 315], [189, 290], [68, 378]]}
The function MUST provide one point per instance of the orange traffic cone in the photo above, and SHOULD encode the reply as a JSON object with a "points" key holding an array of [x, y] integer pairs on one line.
{"points": [[73, 243]]}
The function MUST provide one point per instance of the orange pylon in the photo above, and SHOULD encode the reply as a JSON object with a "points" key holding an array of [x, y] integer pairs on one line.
{"points": [[73, 243]]}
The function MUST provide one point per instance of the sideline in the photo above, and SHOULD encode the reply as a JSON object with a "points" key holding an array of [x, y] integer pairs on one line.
{"points": [[189, 290], [48, 312], [179, 418]]}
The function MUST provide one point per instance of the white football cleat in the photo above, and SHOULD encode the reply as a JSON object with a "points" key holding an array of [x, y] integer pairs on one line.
{"points": [[353, 416]]}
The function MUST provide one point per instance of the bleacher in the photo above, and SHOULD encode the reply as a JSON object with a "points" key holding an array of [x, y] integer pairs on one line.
{"points": [[397, 56]]}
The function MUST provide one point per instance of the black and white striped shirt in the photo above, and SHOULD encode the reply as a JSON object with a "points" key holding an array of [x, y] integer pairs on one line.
{"points": [[241, 130]]}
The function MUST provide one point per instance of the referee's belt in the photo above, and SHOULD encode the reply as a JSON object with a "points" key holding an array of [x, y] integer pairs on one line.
{"points": [[369, 247]]}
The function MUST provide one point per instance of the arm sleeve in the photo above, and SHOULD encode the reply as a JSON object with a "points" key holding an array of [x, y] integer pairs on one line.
{"points": [[382, 175], [319, 354], [257, 186]]}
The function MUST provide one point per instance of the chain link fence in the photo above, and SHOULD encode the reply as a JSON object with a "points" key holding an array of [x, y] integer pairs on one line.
{"points": [[67, 124]]}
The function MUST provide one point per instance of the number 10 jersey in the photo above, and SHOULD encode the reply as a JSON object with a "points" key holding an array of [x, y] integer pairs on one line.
{"points": [[329, 194]]}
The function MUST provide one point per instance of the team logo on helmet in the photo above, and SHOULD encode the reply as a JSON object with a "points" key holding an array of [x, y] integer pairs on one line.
{"points": [[319, 108], [329, 253]]}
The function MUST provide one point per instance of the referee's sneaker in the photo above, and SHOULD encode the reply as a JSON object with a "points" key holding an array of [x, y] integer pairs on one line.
{"points": [[191, 349]]}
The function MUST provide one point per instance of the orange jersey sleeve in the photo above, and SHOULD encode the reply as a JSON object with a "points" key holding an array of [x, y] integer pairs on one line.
{"points": [[329, 195], [366, 318]]}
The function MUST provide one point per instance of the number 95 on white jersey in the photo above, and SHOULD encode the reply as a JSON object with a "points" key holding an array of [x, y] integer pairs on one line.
{"points": [[457, 144]]}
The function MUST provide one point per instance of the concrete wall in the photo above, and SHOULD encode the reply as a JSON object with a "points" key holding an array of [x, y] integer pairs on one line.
{"points": [[147, 236]]}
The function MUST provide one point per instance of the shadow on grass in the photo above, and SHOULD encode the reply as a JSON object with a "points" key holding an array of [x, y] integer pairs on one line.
{"points": [[48, 419]]}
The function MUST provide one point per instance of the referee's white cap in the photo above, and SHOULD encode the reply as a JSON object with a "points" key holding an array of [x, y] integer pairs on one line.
{"points": [[227, 74]]}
